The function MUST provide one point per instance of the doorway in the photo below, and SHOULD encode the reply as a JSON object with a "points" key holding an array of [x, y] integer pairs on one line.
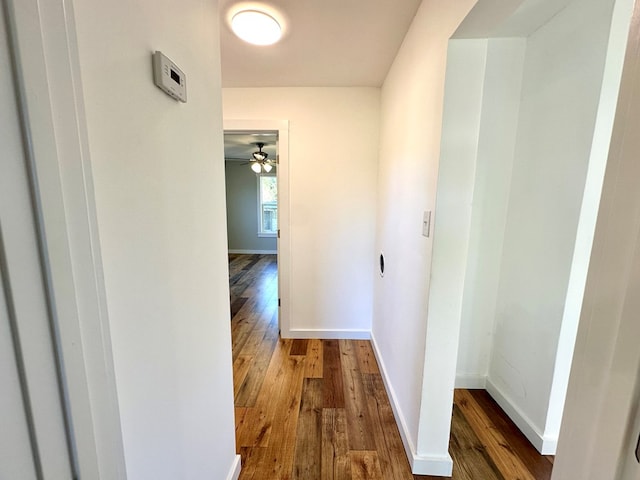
{"points": [[251, 179], [266, 202]]}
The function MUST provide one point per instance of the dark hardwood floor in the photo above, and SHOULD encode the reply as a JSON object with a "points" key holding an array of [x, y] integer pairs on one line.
{"points": [[318, 409]]}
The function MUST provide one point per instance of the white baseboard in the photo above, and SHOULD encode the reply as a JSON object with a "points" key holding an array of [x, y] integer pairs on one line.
{"points": [[337, 334], [432, 466], [234, 472], [254, 252], [546, 445], [471, 382], [441, 466]]}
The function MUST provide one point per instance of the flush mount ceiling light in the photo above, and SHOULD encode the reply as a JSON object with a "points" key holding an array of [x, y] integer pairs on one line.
{"points": [[256, 27]]}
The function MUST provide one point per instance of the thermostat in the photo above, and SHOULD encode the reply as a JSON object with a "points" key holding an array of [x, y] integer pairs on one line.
{"points": [[169, 77]]}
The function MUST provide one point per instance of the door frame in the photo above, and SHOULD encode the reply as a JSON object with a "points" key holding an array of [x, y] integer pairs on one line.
{"points": [[284, 239], [51, 105]]}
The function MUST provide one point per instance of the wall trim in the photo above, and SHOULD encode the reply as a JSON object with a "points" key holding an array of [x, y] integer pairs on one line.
{"points": [[326, 334], [441, 466], [471, 381], [236, 466], [436, 466], [254, 252], [546, 445]]}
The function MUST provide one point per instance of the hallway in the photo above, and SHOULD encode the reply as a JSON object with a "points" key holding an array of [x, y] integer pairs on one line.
{"points": [[318, 409]]}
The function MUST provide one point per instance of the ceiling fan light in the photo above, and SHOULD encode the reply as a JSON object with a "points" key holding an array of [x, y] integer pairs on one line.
{"points": [[256, 167], [260, 156], [255, 27], [267, 167]]}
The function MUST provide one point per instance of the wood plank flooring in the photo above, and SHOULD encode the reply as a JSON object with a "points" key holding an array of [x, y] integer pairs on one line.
{"points": [[318, 409]]}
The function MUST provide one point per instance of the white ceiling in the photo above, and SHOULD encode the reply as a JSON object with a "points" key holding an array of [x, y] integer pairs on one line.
{"points": [[510, 18], [326, 43]]}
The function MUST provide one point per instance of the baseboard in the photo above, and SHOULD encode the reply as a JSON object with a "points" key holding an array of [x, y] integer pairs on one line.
{"points": [[544, 444], [441, 466], [234, 472], [337, 334], [254, 252], [432, 466], [471, 382]]}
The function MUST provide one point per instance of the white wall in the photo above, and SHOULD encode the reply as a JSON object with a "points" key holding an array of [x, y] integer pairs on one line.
{"points": [[409, 152], [601, 426], [242, 210], [333, 151], [600, 143], [542, 150], [562, 78], [159, 184], [496, 143], [466, 62]]}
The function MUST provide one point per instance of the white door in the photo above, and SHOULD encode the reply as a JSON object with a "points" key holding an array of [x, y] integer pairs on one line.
{"points": [[33, 435]]}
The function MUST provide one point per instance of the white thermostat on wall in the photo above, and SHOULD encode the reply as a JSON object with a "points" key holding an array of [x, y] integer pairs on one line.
{"points": [[169, 77]]}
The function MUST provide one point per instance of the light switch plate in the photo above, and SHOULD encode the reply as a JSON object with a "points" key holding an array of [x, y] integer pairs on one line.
{"points": [[426, 223]]}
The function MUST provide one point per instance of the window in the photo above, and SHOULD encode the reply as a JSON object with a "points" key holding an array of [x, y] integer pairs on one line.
{"points": [[267, 205]]}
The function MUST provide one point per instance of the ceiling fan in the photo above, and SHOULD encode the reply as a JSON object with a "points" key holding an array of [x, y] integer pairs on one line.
{"points": [[259, 160]]}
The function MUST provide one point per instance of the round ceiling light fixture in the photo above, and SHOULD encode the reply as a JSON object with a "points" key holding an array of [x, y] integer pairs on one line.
{"points": [[256, 27]]}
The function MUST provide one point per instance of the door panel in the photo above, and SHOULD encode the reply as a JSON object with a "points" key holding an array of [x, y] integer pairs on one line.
{"points": [[33, 434], [16, 455]]}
